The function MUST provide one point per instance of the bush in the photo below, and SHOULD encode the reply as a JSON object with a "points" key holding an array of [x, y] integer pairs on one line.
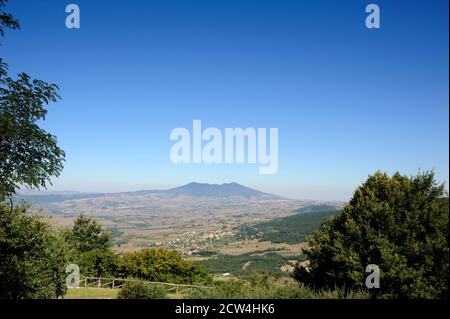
{"points": [[137, 289], [262, 287], [397, 223]]}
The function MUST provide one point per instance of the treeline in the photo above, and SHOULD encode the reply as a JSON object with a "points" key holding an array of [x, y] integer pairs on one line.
{"points": [[96, 259], [396, 223], [395, 228], [291, 230]]}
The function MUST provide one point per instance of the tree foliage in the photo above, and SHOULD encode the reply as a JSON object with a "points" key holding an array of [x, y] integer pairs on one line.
{"points": [[92, 246], [33, 256], [161, 265], [291, 229], [29, 155], [98, 263], [87, 235], [6, 19], [397, 223], [267, 262], [137, 289]]}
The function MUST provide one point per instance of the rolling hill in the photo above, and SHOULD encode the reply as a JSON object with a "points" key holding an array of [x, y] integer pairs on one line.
{"points": [[190, 198], [219, 191], [222, 190]]}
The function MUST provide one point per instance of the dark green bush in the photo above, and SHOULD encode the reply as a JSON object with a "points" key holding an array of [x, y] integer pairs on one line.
{"points": [[137, 289], [396, 222]]}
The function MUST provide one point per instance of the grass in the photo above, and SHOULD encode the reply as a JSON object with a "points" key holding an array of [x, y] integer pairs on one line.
{"points": [[91, 293], [232, 288]]}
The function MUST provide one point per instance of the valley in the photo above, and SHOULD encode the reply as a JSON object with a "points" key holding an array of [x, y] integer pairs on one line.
{"points": [[202, 221]]}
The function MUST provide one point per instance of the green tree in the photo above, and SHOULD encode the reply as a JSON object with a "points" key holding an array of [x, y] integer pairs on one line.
{"points": [[263, 287], [6, 19], [395, 222], [93, 247], [161, 265], [33, 256], [98, 263], [87, 235], [29, 155]]}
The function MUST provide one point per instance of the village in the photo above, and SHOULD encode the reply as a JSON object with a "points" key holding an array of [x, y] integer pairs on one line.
{"points": [[195, 243]]}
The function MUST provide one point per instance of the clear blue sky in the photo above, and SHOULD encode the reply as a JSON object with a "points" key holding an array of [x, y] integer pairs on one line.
{"points": [[347, 100]]}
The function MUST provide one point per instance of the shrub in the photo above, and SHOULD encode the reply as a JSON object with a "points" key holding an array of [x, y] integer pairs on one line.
{"points": [[98, 263], [137, 289]]}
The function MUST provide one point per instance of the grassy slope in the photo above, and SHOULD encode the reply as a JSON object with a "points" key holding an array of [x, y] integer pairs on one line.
{"points": [[103, 293], [91, 293]]}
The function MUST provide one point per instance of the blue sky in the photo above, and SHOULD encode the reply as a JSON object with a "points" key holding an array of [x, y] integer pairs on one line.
{"points": [[347, 100]]}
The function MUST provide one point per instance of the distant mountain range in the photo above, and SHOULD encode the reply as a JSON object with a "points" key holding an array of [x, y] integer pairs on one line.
{"points": [[192, 190], [222, 190], [193, 201]]}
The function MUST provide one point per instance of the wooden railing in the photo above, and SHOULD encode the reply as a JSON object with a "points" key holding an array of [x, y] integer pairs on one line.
{"points": [[115, 283]]}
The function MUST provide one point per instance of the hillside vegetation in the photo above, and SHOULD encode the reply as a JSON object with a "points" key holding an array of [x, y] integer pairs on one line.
{"points": [[244, 265], [263, 287], [291, 230]]}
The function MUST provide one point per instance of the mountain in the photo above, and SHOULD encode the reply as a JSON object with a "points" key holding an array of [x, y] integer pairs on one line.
{"points": [[222, 190], [188, 194], [164, 210]]}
